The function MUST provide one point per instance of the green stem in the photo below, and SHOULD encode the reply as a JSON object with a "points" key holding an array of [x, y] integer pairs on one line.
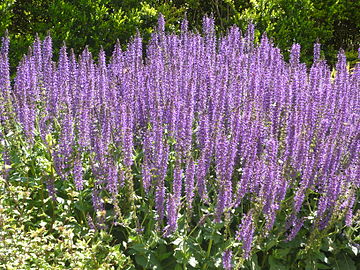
{"points": [[209, 248], [263, 261], [208, 251]]}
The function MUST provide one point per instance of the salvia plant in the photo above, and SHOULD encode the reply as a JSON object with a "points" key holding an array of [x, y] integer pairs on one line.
{"points": [[193, 133]]}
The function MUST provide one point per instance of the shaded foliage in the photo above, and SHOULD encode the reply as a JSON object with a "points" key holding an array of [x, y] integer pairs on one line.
{"points": [[336, 24]]}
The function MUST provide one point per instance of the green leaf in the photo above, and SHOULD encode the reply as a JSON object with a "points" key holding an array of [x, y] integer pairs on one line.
{"points": [[141, 260], [276, 264], [344, 262], [273, 242], [322, 266], [82, 206], [161, 253], [281, 253], [164, 256], [154, 262], [252, 263], [180, 256], [138, 248]]}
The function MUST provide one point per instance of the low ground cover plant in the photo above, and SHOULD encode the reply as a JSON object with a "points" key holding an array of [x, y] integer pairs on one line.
{"points": [[196, 152]]}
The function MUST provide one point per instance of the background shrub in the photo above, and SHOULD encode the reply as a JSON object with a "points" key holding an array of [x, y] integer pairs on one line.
{"points": [[336, 24]]}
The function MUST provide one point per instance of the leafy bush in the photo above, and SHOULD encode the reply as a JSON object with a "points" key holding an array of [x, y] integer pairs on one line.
{"points": [[100, 23], [205, 153], [37, 235]]}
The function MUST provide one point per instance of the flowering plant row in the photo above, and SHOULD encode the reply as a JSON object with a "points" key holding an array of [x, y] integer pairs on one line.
{"points": [[193, 131]]}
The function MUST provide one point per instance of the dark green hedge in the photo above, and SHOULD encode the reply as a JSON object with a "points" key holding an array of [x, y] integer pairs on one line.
{"points": [[335, 23]]}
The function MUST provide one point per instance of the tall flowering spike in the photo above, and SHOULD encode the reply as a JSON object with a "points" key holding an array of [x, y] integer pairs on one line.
{"points": [[208, 26], [5, 42], [99, 208], [50, 185], [161, 23], [172, 215], [226, 259], [46, 60], [63, 73], [296, 224], [204, 131], [49, 79], [47, 48], [66, 137], [341, 63], [138, 51], [117, 53], [112, 179], [127, 135], [73, 74], [37, 54], [295, 54], [146, 176], [245, 233], [82, 98], [146, 168], [78, 174], [177, 184], [349, 212], [316, 52], [5, 95], [159, 199], [201, 173], [184, 25], [223, 179], [264, 49], [102, 79], [299, 199], [189, 182], [24, 95], [160, 181], [250, 36]]}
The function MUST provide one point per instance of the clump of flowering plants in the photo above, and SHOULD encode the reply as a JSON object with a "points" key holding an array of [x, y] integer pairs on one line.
{"points": [[197, 151]]}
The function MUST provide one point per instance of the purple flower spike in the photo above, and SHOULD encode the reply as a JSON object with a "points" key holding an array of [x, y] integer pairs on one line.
{"points": [[245, 233], [226, 259]]}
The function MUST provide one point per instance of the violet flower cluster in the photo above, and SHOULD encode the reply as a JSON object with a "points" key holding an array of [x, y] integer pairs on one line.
{"points": [[217, 120]]}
